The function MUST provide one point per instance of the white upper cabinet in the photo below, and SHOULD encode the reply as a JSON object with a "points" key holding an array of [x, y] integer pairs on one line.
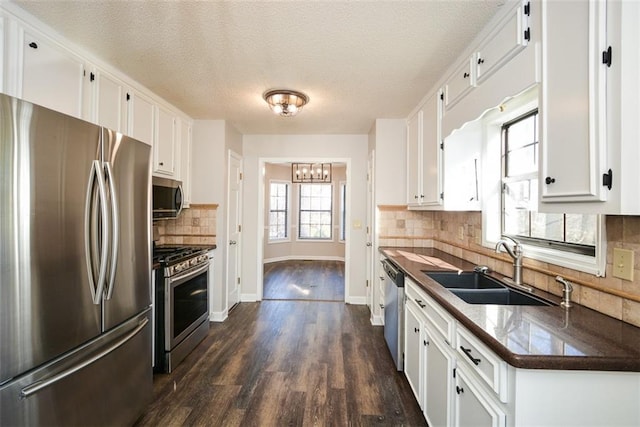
{"points": [[503, 44], [414, 131], [51, 75], [183, 173], [459, 83], [424, 155], [109, 101], [164, 144], [140, 117], [2, 53], [573, 100], [462, 185]]}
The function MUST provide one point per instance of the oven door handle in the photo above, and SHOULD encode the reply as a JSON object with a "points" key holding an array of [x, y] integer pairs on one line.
{"points": [[189, 274]]}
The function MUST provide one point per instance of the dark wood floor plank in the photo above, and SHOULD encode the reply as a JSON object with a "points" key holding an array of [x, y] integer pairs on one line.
{"points": [[298, 363], [304, 280]]}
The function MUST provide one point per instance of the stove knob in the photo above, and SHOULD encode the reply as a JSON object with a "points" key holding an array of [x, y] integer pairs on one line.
{"points": [[177, 268]]}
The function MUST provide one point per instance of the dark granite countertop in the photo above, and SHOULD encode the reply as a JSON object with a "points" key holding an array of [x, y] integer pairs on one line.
{"points": [[534, 337]]}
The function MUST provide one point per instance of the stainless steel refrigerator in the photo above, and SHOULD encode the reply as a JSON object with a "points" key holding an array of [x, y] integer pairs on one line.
{"points": [[75, 224]]}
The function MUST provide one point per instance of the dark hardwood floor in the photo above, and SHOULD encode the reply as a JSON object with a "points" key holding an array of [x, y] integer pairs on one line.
{"points": [[287, 363], [304, 280]]}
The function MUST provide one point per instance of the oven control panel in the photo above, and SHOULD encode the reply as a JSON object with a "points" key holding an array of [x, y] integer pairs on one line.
{"points": [[187, 264]]}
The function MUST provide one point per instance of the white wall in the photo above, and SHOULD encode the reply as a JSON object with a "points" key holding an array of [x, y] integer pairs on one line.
{"points": [[212, 140], [258, 149]]}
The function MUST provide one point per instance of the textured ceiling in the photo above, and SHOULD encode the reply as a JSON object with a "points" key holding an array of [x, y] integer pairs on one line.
{"points": [[357, 61]]}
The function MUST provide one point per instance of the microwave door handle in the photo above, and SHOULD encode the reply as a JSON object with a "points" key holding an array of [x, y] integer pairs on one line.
{"points": [[179, 195], [115, 232], [95, 175]]}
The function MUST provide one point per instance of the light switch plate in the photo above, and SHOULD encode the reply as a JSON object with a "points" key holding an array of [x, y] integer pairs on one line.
{"points": [[623, 264]]}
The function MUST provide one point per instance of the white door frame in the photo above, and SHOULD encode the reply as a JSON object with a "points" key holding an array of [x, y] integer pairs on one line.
{"points": [[238, 245], [262, 161]]}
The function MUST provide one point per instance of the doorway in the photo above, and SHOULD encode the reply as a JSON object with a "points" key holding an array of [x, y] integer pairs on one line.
{"points": [[305, 234]]}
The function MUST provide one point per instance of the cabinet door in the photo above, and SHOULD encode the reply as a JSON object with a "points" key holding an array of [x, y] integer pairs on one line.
{"points": [[164, 144], [140, 117], [184, 154], [431, 152], [2, 55], [413, 350], [414, 128], [460, 82], [503, 45], [109, 101], [573, 100], [462, 168], [51, 76], [438, 380], [472, 408]]}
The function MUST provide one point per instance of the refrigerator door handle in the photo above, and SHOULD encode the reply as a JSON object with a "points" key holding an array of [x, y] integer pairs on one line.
{"points": [[39, 385], [115, 220], [95, 175]]}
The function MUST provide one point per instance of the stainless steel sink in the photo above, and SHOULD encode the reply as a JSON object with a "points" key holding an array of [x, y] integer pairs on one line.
{"points": [[465, 280], [477, 288]]}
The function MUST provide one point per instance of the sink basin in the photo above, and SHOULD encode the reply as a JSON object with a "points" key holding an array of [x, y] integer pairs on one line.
{"points": [[504, 296], [465, 280], [477, 288]]}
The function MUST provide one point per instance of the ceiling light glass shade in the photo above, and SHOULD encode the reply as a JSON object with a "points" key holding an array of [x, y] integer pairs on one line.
{"points": [[286, 103]]}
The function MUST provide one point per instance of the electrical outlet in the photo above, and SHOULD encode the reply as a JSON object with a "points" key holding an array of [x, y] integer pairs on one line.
{"points": [[623, 264]]}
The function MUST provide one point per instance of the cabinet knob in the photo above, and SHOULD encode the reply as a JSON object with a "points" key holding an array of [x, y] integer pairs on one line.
{"points": [[425, 342], [161, 163], [548, 180], [465, 75], [416, 330], [480, 61], [33, 45], [459, 390]]}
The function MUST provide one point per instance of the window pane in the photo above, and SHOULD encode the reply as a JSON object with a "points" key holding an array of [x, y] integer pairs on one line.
{"points": [[278, 210], [581, 229], [315, 211], [522, 133], [547, 226], [522, 160]]}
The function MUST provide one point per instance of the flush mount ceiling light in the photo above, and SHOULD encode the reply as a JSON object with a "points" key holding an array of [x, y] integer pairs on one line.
{"points": [[286, 103], [311, 172]]}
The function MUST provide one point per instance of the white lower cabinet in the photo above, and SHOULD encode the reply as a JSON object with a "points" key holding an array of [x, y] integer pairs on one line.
{"points": [[471, 406], [439, 365], [412, 349], [458, 381]]}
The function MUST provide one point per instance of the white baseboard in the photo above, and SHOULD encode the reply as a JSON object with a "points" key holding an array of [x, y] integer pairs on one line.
{"points": [[249, 298], [218, 316], [357, 300], [377, 320], [304, 258]]}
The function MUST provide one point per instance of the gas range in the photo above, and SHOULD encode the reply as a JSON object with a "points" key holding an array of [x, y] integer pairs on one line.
{"points": [[176, 259]]}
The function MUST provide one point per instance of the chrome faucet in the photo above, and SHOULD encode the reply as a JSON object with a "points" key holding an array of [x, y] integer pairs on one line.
{"points": [[566, 291], [516, 254]]}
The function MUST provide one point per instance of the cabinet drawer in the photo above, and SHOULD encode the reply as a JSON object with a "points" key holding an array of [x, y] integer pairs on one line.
{"points": [[490, 368], [440, 319]]}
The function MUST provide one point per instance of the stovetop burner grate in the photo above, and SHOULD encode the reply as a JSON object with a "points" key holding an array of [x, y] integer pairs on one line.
{"points": [[171, 255]]}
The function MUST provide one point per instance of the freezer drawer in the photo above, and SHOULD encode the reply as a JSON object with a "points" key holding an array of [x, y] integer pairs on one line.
{"points": [[109, 382]]}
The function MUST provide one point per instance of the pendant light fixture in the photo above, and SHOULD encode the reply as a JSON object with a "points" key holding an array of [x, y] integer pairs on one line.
{"points": [[284, 102]]}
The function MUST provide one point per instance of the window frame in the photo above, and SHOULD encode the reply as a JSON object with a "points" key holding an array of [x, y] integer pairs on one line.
{"points": [[330, 211], [287, 225], [508, 178], [343, 211], [492, 172]]}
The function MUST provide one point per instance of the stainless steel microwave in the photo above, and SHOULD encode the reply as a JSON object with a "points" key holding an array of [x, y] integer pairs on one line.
{"points": [[167, 198]]}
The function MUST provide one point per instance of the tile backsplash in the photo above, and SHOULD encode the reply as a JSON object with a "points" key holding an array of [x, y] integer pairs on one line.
{"points": [[460, 234], [196, 225]]}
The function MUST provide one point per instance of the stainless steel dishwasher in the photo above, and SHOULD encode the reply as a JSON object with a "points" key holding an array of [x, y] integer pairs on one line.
{"points": [[394, 312]]}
